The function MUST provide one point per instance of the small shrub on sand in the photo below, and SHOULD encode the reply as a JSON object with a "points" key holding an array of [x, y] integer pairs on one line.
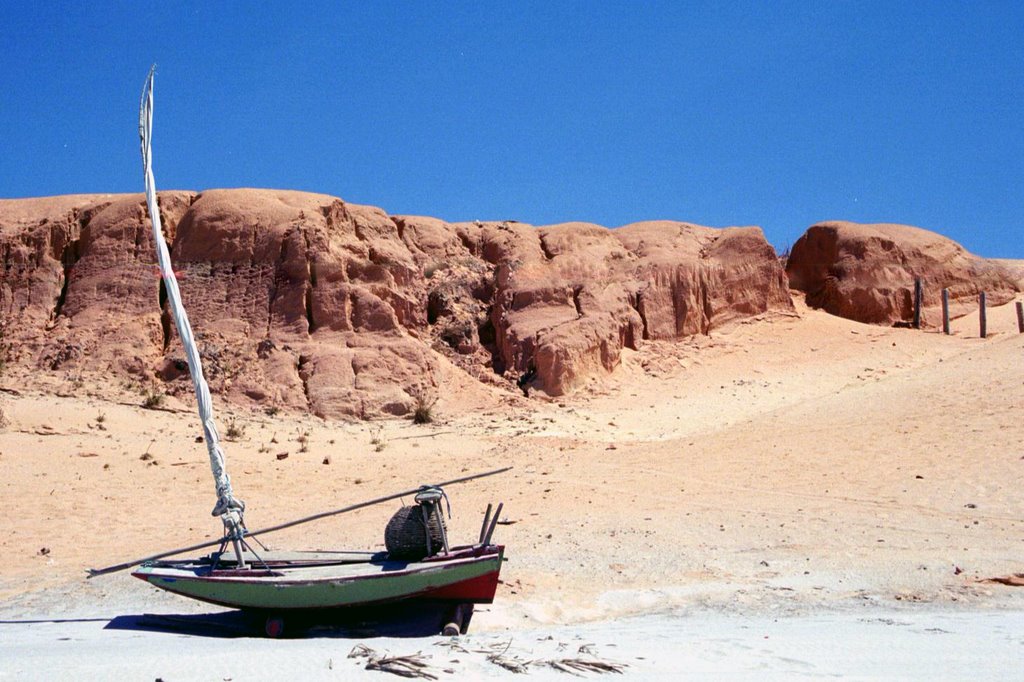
{"points": [[424, 412], [377, 441], [235, 431]]}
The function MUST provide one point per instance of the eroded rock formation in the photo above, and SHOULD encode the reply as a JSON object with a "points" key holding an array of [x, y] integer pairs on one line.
{"points": [[307, 302], [867, 272]]}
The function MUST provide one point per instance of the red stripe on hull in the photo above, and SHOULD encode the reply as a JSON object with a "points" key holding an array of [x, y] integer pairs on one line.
{"points": [[479, 590]]}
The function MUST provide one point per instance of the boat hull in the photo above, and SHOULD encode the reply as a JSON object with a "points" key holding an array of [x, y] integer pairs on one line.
{"points": [[469, 575]]}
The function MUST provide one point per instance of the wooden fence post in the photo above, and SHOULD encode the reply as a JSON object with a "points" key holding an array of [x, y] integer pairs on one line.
{"points": [[1020, 317], [981, 314], [945, 311], [917, 303]]}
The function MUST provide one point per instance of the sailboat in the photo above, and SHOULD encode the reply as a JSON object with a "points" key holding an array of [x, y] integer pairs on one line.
{"points": [[419, 564]]}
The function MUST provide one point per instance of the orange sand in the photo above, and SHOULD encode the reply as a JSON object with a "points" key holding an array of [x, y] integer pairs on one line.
{"points": [[785, 462]]}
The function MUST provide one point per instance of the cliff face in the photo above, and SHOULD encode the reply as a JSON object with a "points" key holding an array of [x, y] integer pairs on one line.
{"points": [[307, 302], [867, 272]]}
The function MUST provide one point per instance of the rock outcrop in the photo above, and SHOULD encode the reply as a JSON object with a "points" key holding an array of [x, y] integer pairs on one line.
{"points": [[307, 302], [867, 272]]}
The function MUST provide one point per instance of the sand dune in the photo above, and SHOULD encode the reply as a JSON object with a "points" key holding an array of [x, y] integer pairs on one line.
{"points": [[796, 465], [797, 459]]}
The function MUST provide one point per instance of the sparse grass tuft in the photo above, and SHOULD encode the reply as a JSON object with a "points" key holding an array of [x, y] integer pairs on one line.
{"points": [[378, 441], [153, 400], [784, 255], [235, 431], [422, 415], [424, 412]]}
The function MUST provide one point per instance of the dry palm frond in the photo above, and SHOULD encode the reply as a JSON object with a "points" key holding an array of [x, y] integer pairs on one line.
{"points": [[575, 666], [411, 665], [496, 647], [511, 663], [497, 654], [453, 644]]}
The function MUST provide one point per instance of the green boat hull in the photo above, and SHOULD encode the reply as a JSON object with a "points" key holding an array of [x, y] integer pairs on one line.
{"points": [[466, 575]]}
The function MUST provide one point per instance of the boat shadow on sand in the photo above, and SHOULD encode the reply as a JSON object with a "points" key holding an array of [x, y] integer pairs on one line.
{"points": [[422, 619]]}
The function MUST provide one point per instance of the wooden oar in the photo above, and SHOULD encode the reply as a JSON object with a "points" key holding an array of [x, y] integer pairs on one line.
{"points": [[93, 572]]}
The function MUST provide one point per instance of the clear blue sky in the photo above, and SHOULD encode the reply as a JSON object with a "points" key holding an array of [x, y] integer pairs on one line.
{"points": [[722, 113]]}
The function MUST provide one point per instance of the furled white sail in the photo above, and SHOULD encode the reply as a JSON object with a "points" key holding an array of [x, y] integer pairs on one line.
{"points": [[229, 508]]}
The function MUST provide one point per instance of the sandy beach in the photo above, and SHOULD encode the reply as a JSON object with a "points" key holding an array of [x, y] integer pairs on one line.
{"points": [[793, 495], [908, 645]]}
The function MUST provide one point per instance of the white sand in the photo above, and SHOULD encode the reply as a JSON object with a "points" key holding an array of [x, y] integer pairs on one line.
{"points": [[906, 645]]}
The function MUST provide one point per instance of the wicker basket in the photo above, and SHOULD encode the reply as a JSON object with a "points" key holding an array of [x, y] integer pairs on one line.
{"points": [[406, 537]]}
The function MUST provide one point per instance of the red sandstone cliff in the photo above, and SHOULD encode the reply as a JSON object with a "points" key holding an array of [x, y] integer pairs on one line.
{"points": [[305, 301], [867, 272]]}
